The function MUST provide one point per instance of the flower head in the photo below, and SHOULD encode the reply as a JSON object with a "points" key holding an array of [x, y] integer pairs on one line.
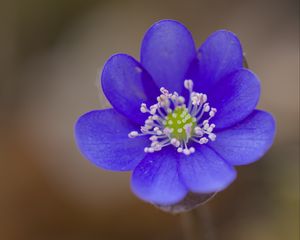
{"points": [[181, 118]]}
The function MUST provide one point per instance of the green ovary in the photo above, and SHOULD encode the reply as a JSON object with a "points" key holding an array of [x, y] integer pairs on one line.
{"points": [[176, 121]]}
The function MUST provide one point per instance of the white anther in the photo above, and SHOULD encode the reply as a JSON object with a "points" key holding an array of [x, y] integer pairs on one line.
{"points": [[164, 91], [156, 146], [212, 136], [159, 132], [180, 100], [188, 84], [203, 140], [153, 109], [175, 142], [149, 122], [162, 100], [196, 98], [133, 134], [212, 112], [179, 130], [150, 150], [143, 108], [186, 151], [192, 149], [180, 149], [206, 126], [174, 96], [145, 129], [206, 107], [198, 131], [204, 98], [210, 129], [153, 138]]}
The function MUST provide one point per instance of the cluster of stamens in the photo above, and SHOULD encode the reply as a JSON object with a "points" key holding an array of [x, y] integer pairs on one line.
{"points": [[172, 122]]}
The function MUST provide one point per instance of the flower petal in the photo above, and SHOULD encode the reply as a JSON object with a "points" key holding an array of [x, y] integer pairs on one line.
{"points": [[235, 97], [247, 141], [102, 137], [167, 51], [205, 171], [124, 82], [156, 179], [220, 55]]}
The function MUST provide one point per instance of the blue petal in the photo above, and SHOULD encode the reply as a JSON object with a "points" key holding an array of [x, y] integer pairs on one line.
{"points": [[205, 171], [235, 97], [156, 179], [124, 82], [247, 141], [102, 137], [167, 51], [220, 55]]}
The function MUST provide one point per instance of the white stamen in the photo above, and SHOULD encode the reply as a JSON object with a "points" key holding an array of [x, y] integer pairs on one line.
{"points": [[164, 125], [133, 134], [143, 108], [206, 107], [212, 136], [188, 84], [180, 149], [203, 140], [192, 149], [186, 151], [153, 138], [180, 100]]}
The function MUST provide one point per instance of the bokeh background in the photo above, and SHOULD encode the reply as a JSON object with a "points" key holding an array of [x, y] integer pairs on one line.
{"points": [[51, 56]]}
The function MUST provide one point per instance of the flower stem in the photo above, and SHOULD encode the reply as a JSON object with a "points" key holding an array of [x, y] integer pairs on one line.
{"points": [[197, 224]]}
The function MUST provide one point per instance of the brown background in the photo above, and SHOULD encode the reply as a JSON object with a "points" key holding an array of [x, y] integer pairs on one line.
{"points": [[51, 55]]}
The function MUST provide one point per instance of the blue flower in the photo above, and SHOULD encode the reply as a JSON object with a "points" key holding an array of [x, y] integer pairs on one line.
{"points": [[181, 118]]}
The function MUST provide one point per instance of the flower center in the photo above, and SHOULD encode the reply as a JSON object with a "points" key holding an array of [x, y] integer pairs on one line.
{"points": [[177, 121], [172, 122]]}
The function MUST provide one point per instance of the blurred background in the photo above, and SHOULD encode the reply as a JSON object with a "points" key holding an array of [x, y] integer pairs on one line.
{"points": [[51, 56]]}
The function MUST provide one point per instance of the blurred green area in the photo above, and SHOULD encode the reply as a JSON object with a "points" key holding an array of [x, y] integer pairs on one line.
{"points": [[51, 55]]}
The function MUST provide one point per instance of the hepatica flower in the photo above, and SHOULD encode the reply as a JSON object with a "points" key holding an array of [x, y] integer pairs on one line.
{"points": [[181, 119]]}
